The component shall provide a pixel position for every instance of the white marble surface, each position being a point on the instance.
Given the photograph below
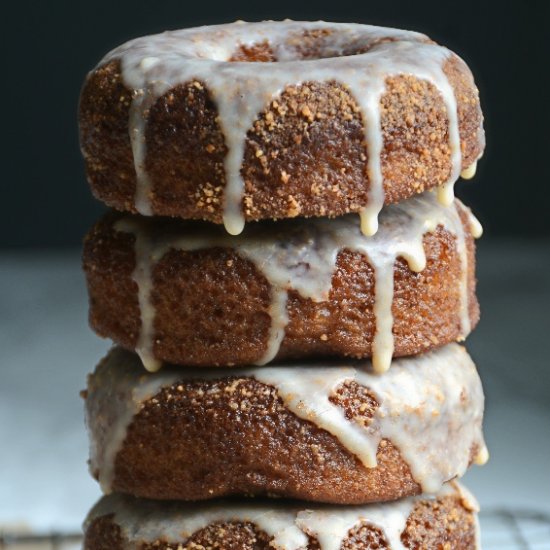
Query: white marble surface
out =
(46, 349)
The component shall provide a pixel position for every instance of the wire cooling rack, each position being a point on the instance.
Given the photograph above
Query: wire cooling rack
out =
(500, 530)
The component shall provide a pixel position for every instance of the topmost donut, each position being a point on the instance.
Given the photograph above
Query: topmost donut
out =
(249, 121)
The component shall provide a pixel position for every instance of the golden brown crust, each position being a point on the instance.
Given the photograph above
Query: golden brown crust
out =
(304, 155)
(445, 523)
(212, 305)
(233, 436)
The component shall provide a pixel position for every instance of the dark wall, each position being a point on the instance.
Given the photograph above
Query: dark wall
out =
(49, 47)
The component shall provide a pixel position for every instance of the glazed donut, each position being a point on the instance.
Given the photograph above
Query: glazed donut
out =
(447, 521)
(189, 294)
(324, 433)
(252, 121)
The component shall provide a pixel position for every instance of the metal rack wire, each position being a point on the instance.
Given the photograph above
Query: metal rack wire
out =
(500, 530)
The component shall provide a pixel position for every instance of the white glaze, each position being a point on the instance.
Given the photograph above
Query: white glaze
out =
(116, 397)
(446, 191)
(470, 172)
(476, 229)
(430, 407)
(137, 124)
(145, 261)
(301, 255)
(465, 324)
(285, 523)
(279, 320)
(152, 65)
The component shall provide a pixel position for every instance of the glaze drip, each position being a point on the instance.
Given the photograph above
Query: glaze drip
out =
(152, 65)
(145, 261)
(301, 255)
(429, 406)
(469, 172)
(446, 191)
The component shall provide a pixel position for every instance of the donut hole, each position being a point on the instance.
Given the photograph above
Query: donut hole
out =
(309, 45)
(259, 53)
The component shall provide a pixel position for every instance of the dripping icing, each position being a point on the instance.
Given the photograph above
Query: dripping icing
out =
(430, 407)
(445, 192)
(469, 172)
(301, 255)
(137, 125)
(152, 65)
(142, 275)
(279, 320)
(476, 229)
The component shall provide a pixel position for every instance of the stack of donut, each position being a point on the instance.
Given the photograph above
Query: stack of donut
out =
(285, 276)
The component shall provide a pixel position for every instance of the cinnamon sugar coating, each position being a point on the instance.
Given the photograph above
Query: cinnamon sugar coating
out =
(304, 155)
(212, 306)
